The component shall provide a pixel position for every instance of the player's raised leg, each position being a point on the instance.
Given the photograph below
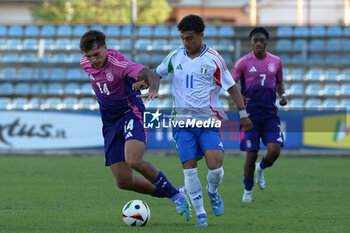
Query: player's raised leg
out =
(214, 159)
(248, 180)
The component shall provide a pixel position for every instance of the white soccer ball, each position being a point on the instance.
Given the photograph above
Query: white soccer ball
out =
(136, 213)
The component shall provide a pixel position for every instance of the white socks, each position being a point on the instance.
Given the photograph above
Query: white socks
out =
(194, 189)
(214, 178)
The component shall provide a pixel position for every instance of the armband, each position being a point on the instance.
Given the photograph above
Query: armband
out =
(243, 114)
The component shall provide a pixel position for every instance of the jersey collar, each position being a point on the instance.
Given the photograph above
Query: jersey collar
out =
(199, 55)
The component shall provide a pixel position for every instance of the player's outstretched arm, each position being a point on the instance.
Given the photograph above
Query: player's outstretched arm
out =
(151, 79)
(281, 93)
(243, 115)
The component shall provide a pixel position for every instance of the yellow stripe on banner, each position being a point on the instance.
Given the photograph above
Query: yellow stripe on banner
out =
(330, 131)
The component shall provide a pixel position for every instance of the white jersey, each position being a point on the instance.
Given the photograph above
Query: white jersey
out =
(197, 82)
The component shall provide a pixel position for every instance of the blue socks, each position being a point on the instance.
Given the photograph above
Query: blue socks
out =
(163, 187)
(248, 183)
(264, 164)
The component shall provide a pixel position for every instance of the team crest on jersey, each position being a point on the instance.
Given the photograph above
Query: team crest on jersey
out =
(109, 76)
(271, 67)
(204, 69)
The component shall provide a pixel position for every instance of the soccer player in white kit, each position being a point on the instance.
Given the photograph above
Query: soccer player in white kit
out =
(198, 73)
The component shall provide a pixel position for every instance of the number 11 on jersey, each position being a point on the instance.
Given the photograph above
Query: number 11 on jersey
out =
(189, 81)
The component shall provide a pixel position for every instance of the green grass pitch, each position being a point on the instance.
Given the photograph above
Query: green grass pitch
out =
(78, 194)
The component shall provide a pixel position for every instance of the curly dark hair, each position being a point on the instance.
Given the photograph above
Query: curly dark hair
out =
(259, 30)
(91, 37)
(191, 23)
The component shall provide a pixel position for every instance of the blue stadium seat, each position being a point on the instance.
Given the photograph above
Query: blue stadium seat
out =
(30, 44)
(6, 88)
(48, 31)
(345, 103)
(63, 44)
(75, 45)
(49, 44)
(8, 74)
(301, 31)
(317, 45)
(64, 30)
(126, 30)
(112, 31)
(57, 74)
(225, 45)
(5, 103)
(334, 31)
(55, 89)
(3, 31)
(52, 103)
(287, 74)
(98, 28)
(346, 45)
(31, 31)
(38, 89)
(143, 45)
(13, 44)
(174, 32)
(313, 103)
(86, 89)
(34, 103)
(285, 58)
(333, 59)
(28, 58)
(160, 45)
(315, 59)
(315, 74)
(125, 45)
(72, 89)
(142, 58)
(2, 43)
(75, 58)
(156, 59)
(318, 31)
(70, 103)
(314, 89)
(331, 89)
(228, 59)
(296, 89)
(79, 30)
(41, 74)
(74, 74)
(60, 58)
(20, 103)
(284, 45)
(334, 45)
(226, 31)
(210, 42)
(15, 31)
(211, 31)
(113, 44)
(300, 45)
(296, 103)
(284, 31)
(345, 89)
(345, 60)
(330, 103)
(88, 103)
(346, 31)
(10, 58)
(144, 31)
(22, 89)
(161, 31)
(332, 75)
(25, 74)
(345, 75)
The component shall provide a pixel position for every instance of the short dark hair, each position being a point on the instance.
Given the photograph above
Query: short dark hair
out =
(91, 37)
(191, 23)
(259, 30)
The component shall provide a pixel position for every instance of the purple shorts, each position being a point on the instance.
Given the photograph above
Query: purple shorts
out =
(127, 128)
(268, 130)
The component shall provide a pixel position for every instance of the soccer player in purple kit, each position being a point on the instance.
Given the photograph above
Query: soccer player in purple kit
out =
(260, 73)
(112, 75)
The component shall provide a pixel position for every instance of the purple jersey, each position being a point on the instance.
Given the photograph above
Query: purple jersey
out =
(258, 83)
(112, 85)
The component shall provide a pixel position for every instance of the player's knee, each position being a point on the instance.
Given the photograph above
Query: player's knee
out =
(134, 163)
(123, 184)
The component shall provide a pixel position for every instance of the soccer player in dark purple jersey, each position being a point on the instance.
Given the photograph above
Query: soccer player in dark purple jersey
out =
(112, 75)
(260, 74)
